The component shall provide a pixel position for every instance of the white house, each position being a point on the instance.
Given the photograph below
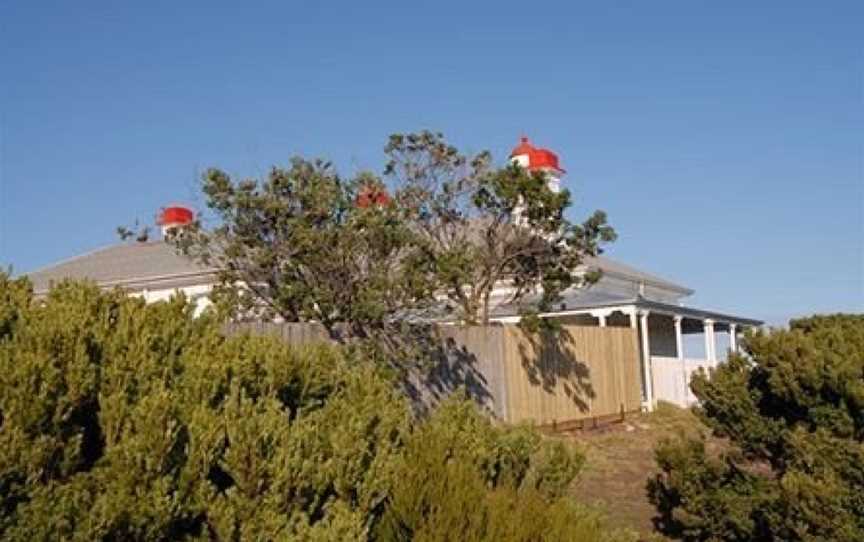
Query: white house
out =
(625, 296)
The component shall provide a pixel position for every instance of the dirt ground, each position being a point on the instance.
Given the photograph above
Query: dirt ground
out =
(620, 458)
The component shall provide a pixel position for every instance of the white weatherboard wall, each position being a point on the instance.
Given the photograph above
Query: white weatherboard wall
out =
(199, 294)
(671, 378)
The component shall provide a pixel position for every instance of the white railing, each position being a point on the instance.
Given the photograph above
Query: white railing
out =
(671, 378)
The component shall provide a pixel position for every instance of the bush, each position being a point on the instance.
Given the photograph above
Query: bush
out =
(792, 412)
(442, 482)
(126, 421)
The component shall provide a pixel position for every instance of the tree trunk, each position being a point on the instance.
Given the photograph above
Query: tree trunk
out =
(486, 296)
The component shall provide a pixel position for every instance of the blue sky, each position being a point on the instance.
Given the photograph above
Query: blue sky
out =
(724, 139)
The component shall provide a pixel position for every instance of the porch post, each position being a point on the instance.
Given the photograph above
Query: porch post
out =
(733, 338)
(710, 350)
(601, 315)
(646, 362)
(679, 339)
(679, 349)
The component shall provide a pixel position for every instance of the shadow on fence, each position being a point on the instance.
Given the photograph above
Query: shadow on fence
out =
(549, 362)
(453, 367)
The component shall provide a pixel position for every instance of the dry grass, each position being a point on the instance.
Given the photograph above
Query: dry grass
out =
(620, 458)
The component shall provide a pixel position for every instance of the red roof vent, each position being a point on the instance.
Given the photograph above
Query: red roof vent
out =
(537, 158)
(370, 196)
(171, 217)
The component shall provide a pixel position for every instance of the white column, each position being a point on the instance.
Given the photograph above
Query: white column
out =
(679, 339)
(733, 338)
(710, 347)
(601, 316)
(646, 362)
(679, 349)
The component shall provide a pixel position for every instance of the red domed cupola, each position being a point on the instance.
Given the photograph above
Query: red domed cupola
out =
(174, 217)
(531, 157)
(535, 159)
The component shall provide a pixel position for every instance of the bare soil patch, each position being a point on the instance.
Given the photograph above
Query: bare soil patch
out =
(620, 458)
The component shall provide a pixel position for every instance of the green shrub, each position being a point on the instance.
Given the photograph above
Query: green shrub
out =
(126, 421)
(462, 478)
(792, 411)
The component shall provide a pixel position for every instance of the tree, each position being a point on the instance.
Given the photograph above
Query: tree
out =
(487, 227)
(306, 245)
(792, 410)
(121, 420)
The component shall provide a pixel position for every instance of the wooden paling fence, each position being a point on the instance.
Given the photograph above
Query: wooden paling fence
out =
(580, 373)
(295, 334)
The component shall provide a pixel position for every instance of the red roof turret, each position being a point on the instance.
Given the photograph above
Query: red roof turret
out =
(176, 216)
(537, 158)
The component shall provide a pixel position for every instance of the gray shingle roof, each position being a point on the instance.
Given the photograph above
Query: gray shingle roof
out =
(616, 268)
(132, 265)
(139, 265)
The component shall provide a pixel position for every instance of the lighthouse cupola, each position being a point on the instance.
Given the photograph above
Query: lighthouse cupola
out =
(536, 159)
(174, 218)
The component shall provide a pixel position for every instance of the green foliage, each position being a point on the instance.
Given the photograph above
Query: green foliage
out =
(792, 410)
(299, 246)
(461, 478)
(126, 421)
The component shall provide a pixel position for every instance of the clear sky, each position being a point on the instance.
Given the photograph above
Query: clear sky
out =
(724, 139)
